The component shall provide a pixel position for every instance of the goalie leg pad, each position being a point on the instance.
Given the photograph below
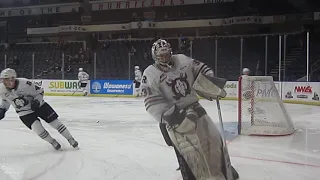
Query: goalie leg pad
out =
(184, 167)
(200, 143)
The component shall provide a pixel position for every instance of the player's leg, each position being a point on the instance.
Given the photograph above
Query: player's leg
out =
(183, 166)
(137, 88)
(83, 87)
(34, 124)
(47, 113)
(199, 142)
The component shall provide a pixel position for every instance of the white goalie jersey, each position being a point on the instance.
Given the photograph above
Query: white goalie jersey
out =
(83, 77)
(164, 89)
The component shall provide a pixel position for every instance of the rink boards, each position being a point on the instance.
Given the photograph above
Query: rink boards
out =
(289, 92)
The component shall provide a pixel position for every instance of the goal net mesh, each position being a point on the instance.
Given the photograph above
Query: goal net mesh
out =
(260, 108)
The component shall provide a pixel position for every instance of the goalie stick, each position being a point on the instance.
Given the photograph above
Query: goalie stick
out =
(234, 174)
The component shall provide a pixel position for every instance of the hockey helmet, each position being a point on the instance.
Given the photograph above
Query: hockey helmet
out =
(246, 71)
(7, 77)
(80, 69)
(8, 73)
(136, 67)
(161, 53)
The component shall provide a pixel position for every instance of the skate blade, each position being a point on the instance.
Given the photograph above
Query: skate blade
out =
(60, 149)
(68, 149)
(73, 148)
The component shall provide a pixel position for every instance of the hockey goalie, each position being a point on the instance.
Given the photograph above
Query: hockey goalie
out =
(171, 99)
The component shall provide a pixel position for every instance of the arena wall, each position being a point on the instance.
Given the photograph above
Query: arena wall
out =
(289, 92)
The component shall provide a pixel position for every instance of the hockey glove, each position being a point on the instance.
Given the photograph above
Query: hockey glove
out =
(35, 104)
(174, 116)
(2, 113)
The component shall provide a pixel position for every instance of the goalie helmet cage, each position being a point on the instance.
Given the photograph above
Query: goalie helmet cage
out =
(261, 111)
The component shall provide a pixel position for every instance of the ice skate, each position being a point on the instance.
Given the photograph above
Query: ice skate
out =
(315, 97)
(73, 143)
(56, 145)
(235, 173)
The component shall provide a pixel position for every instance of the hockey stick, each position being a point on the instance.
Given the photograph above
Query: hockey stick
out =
(74, 92)
(235, 174)
(79, 84)
(221, 123)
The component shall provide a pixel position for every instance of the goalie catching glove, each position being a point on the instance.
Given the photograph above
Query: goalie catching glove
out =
(210, 87)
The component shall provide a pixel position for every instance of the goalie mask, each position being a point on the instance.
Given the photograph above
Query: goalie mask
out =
(161, 54)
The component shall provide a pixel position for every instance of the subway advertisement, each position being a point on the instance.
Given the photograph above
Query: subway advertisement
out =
(290, 92)
(61, 87)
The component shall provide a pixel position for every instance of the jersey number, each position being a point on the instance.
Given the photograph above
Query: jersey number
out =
(144, 79)
(35, 86)
(29, 83)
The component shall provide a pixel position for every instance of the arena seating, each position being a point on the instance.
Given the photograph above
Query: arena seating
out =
(112, 57)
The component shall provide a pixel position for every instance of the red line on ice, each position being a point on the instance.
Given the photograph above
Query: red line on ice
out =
(278, 161)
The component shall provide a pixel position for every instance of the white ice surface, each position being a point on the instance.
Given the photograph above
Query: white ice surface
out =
(126, 144)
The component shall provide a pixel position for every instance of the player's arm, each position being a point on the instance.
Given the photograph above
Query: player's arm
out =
(79, 76)
(87, 76)
(4, 104)
(200, 67)
(4, 107)
(36, 92)
(154, 102)
(136, 75)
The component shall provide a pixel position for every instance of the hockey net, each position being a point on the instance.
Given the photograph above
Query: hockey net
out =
(260, 108)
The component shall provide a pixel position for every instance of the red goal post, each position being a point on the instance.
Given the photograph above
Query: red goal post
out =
(260, 108)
